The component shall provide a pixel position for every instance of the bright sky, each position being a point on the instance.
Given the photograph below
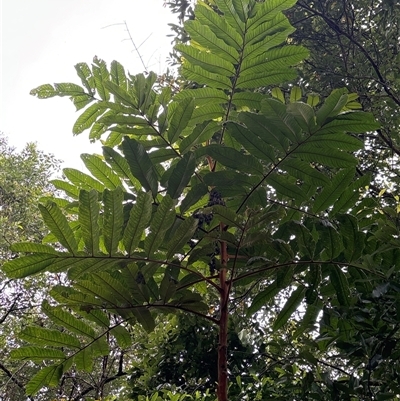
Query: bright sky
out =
(42, 40)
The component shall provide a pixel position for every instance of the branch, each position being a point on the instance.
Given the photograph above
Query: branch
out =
(13, 379)
(333, 25)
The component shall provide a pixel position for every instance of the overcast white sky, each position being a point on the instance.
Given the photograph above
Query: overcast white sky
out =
(42, 40)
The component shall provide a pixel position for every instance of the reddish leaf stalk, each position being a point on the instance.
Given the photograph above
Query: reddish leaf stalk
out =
(222, 389)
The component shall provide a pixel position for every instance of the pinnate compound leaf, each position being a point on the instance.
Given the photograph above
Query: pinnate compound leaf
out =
(290, 306)
(48, 376)
(140, 164)
(58, 225)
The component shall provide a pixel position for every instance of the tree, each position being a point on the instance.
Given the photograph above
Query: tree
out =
(24, 178)
(212, 200)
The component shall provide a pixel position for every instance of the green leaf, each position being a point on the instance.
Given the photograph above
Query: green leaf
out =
(117, 73)
(80, 266)
(180, 118)
(304, 171)
(181, 175)
(290, 306)
(122, 336)
(341, 285)
(218, 24)
(88, 218)
(251, 142)
(113, 219)
(101, 171)
(82, 180)
(85, 74)
(162, 220)
(353, 240)
(58, 225)
(329, 240)
(69, 89)
(192, 196)
(140, 164)
(69, 189)
(202, 77)
(200, 134)
(234, 159)
(65, 319)
(295, 94)
(88, 117)
(332, 105)
(203, 35)
(29, 247)
(350, 195)
(284, 186)
(48, 376)
(355, 122)
(84, 359)
(28, 265)
(44, 91)
(36, 353)
(326, 156)
(121, 95)
(181, 236)
(46, 337)
(101, 75)
(262, 298)
(120, 166)
(330, 193)
(139, 218)
(145, 318)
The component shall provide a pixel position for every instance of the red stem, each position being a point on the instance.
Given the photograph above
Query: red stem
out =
(222, 389)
